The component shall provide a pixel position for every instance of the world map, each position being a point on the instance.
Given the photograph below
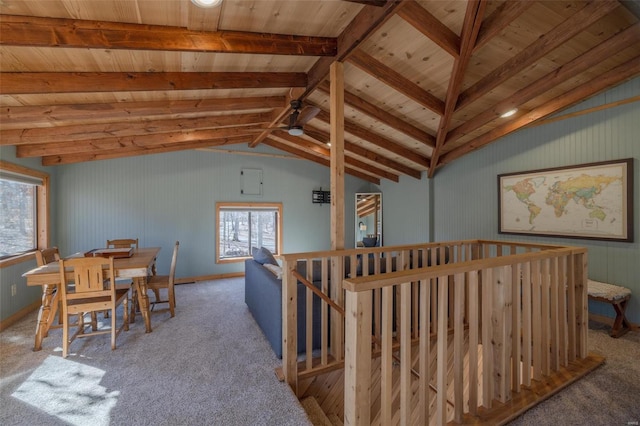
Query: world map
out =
(570, 202)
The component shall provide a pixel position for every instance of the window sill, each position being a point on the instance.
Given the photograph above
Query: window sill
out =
(14, 260)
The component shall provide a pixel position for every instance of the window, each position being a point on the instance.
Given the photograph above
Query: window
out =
(243, 226)
(23, 209)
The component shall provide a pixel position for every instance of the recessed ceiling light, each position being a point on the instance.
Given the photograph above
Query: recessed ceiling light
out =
(509, 113)
(206, 3)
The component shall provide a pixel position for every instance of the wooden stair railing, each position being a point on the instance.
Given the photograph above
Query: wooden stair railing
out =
(415, 298)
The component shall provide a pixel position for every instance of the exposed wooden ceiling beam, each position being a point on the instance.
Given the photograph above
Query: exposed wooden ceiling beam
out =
(618, 75)
(323, 149)
(317, 159)
(394, 79)
(556, 77)
(575, 24)
(142, 141)
(430, 26)
(470, 28)
(504, 15)
(377, 3)
(22, 117)
(375, 139)
(278, 117)
(359, 30)
(350, 147)
(56, 160)
(75, 82)
(107, 130)
(55, 32)
(384, 117)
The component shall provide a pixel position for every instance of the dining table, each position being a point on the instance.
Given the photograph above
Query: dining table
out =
(137, 266)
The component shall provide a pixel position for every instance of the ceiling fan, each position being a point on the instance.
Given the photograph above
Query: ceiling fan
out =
(299, 116)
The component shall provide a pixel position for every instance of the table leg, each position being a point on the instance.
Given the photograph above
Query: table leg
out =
(140, 284)
(44, 315)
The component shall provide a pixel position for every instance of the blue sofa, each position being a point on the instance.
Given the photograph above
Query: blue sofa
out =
(263, 296)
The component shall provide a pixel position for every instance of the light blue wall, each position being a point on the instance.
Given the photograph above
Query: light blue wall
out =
(465, 192)
(168, 197)
(405, 211)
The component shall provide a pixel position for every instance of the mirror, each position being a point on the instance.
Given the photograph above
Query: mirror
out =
(368, 227)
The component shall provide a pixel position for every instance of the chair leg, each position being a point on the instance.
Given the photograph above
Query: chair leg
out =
(172, 302)
(65, 336)
(125, 305)
(113, 328)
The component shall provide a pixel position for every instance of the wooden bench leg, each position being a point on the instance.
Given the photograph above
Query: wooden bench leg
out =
(620, 325)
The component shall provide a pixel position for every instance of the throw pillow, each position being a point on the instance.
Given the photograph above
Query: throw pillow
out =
(263, 256)
(275, 269)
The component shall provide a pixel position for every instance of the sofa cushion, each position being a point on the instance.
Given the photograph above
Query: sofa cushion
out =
(262, 255)
(274, 269)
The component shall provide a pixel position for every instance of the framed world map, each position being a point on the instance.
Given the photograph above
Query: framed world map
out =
(592, 201)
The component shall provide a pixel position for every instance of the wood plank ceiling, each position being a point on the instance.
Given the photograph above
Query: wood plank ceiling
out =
(426, 82)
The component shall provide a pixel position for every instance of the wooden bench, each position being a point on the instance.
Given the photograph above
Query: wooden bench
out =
(618, 297)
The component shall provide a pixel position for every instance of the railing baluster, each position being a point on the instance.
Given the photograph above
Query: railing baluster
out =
(324, 314)
(474, 303)
(458, 347)
(425, 352)
(562, 307)
(544, 311)
(357, 367)
(487, 356)
(516, 308)
(443, 336)
(526, 323)
(309, 319)
(386, 381)
(405, 353)
(554, 323)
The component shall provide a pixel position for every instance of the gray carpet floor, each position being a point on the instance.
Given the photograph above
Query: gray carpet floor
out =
(209, 365)
(608, 396)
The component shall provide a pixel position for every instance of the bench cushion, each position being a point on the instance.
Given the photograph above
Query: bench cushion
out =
(607, 291)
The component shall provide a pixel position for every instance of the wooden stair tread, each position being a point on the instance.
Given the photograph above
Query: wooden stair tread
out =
(314, 412)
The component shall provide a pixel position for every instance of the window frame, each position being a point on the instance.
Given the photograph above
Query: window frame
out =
(42, 212)
(221, 206)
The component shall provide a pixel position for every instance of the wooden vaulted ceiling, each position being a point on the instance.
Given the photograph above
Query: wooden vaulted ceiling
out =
(425, 81)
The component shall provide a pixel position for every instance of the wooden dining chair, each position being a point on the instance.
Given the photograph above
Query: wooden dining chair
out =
(47, 255)
(158, 282)
(93, 290)
(43, 257)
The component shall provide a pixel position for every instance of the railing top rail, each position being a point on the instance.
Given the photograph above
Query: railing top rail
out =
(367, 283)
(522, 244)
(360, 250)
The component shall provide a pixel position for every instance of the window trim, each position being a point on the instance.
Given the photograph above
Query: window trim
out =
(248, 206)
(42, 211)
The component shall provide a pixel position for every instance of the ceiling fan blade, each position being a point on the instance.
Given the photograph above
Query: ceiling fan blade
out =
(307, 114)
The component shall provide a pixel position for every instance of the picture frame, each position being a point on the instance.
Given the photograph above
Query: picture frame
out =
(587, 201)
